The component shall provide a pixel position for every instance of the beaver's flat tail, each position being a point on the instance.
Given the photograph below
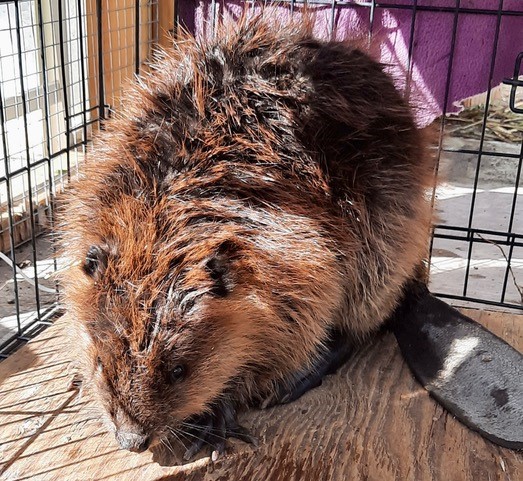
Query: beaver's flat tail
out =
(474, 374)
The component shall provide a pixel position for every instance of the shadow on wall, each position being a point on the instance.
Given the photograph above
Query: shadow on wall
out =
(427, 35)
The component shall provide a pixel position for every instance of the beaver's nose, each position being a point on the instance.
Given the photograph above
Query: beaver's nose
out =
(135, 442)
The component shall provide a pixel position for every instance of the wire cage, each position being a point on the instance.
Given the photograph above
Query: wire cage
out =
(63, 66)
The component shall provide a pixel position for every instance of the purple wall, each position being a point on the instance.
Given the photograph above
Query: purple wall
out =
(431, 42)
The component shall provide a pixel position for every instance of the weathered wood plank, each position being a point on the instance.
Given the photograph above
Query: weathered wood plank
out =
(371, 421)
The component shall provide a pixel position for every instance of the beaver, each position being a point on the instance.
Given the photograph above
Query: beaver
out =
(255, 211)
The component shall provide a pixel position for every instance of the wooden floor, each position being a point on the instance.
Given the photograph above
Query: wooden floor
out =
(371, 421)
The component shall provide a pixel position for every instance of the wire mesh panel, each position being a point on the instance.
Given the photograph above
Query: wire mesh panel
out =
(63, 66)
(441, 52)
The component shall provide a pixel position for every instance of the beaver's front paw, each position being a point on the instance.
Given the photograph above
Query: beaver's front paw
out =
(212, 429)
(334, 354)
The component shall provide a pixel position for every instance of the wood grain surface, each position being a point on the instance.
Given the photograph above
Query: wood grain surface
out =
(371, 421)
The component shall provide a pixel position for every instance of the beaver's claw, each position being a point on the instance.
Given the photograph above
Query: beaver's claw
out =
(213, 429)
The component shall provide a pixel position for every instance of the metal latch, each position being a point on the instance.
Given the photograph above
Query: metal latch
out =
(515, 82)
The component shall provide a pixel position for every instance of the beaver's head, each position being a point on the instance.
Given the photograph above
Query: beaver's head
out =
(179, 307)
(168, 315)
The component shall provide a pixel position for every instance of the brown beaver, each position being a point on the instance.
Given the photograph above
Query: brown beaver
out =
(258, 207)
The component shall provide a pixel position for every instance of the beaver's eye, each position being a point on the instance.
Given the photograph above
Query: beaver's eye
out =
(95, 260)
(177, 373)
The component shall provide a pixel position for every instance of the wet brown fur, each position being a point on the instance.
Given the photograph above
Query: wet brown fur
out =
(295, 166)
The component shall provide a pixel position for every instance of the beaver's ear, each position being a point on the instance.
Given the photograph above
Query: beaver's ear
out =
(95, 262)
(219, 268)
